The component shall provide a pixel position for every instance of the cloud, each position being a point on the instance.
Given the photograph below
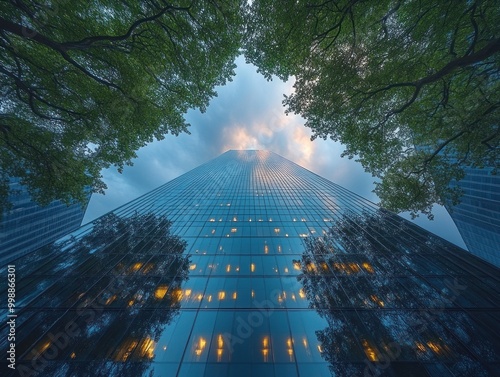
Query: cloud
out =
(247, 114)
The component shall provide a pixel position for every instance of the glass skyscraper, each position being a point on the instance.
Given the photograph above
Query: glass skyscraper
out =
(477, 216)
(250, 265)
(27, 226)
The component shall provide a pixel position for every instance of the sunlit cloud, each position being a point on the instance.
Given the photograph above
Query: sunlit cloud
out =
(247, 114)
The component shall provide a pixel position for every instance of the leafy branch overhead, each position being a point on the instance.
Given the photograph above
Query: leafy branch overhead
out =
(83, 85)
(411, 88)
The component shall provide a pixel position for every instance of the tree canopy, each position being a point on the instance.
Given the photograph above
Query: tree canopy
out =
(411, 88)
(84, 84)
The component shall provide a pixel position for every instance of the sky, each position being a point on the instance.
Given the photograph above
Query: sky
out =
(246, 114)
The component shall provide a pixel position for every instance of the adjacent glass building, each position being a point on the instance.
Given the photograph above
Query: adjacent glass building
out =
(250, 265)
(478, 215)
(28, 226)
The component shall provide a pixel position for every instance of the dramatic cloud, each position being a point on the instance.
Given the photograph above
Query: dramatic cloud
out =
(247, 114)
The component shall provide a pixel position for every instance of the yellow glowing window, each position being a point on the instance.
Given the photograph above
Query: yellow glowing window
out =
(212, 220)
(200, 346)
(277, 230)
(296, 265)
(266, 249)
(311, 267)
(376, 300)
(192, 267)
(252, 267)
(354, 267)
(161, 291)
(420, 346)
(234, 230)
(222, 295)
(147, 348)
(435, 347)
(228, 268)
(301, 293)
(368, 267)
(235, 295)
(125, 350)
(45, 346)
(265, 342)
(110, 300)
(136, 266)
(187, 292)
(370, 351)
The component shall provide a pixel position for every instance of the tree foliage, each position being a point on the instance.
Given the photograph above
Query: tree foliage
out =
(411, 88)
(84, 84)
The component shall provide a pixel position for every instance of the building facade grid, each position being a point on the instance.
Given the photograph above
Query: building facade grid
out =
(250, 265)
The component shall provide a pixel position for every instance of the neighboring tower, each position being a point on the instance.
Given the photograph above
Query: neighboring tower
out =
(250, 265)
(477, 217)
(28, 226)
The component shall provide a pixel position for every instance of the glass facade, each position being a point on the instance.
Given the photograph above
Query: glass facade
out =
(478, 215)
(28, 226)
(250, 265)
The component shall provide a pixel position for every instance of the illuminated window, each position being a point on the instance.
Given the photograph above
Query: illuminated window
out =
(265, 349)
(200, 346)
(370, 351)
(160, 292)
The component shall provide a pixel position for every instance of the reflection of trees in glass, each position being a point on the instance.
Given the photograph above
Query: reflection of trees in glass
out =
(366, 277)
(122, 283)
